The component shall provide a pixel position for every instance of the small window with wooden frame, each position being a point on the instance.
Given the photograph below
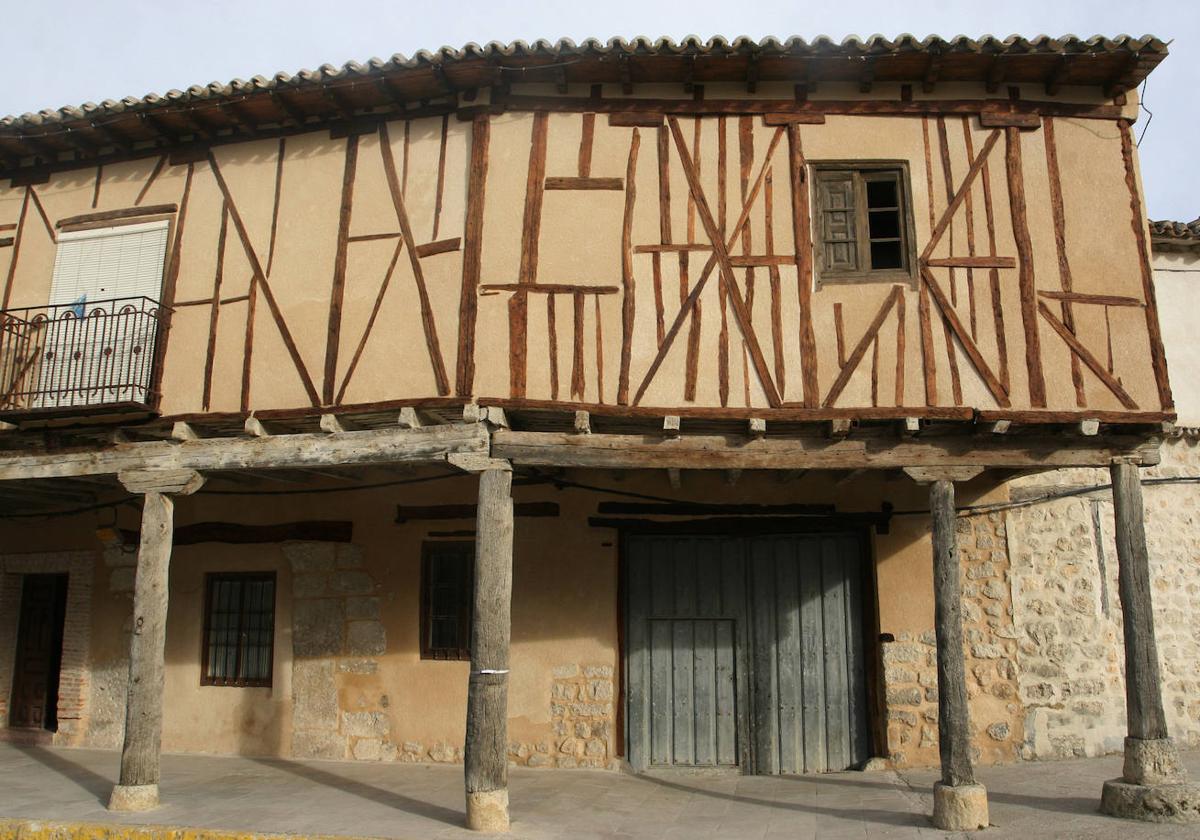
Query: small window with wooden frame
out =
(447, 594)
(239, 629)
(862, 223)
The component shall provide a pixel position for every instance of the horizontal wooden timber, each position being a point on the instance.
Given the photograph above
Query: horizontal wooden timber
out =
(991, 119)
(852, 107)
(6, 242)
(1131, 418)
(672, 247)
(441, 246)
(714, 452)
(411, 513)
(1099, 300)
(699, 508)
(751, 260)
(238, 417)
(371, 237)
(429, 444)
(973, 262)
(557, 182)
(804, 118)
(747, 525)
(114, 215)
(635, 120)
(312, 530)
(550, 288)
(791, 412)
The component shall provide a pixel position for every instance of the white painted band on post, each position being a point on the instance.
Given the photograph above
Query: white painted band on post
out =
(491, 671)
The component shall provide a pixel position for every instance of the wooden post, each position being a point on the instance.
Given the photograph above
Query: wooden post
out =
(954, 734)
(1153, 784)
(1143, 695)
(138, 786)
(487, 698)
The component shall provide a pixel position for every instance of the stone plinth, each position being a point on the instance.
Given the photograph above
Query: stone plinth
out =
(133, 798)
(960, 807)
(1154, 787)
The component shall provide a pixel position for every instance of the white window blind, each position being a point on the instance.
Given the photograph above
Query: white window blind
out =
(107, 263)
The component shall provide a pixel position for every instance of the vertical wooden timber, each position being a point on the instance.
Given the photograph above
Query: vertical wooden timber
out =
(552, 341)
(1143, 693)
(587, 133)
(1029, 319)
(214, 317)
(1060, 246)
(970, 205)
(468, 305)
(803, 245)
(275, 204)
(954, 734)
(985, 175)
(518, 308)
(486, 754)
(16, 251)
(776, 285)
(628, 303)
(900, 360)
(692, 365)
(1138, 222)
(170, 281)
(948, 181)
(338, 288)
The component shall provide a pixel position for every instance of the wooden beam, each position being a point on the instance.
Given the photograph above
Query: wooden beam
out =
(671, 426)
(409, 418)
(183, 431)
(254, 427)
(605, 451)
(486, 752)
(379, 446)
(332, 424)
(928, 475)
(756, 427)
(583, 422)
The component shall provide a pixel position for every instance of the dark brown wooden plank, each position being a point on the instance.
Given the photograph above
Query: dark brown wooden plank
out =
(976, 166)
(337, 289)
(776, 284)
(275, 204)
(1084, 297)
(1158, 359)
(973, 262)
(997, 119)
(468, 306)
(550, 288)
(1111, 382)
(441, 246)
(801, 225)
(215, 313)
(928, 359)
(248, 344)
(370, 325)
(441, 178)
(552, 341)
(635, 119)
(839, 334)
(587, 133)
(970, 219)
(629, 302)
(111, 215)
(96, 190)
(659, 326)
(664, 185)
(12, 263)
(577, 376)
(6, 242)
(969, 347)
(256, 266)
(793, 119)
(599, 351)
(428, 322)
(948, 182)
(985, 177)
(564, 182)
(1025, 267)
(860, 349)
(372, 237)
(530, 234)
(901, 361)
(1060, 246)
(740, 310)
(952, 363)
(154, 173)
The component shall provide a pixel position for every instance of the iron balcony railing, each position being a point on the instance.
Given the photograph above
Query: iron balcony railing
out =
(77, 355)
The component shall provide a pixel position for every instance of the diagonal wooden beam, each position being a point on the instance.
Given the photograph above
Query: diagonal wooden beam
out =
(999, 392)
(431, 336)
(721, 255)
(1085, 356)
(860, 350)
(668, 339)
(976, 166)
(260, 280)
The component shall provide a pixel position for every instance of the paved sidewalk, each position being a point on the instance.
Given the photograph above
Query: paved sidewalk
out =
(1052, 799)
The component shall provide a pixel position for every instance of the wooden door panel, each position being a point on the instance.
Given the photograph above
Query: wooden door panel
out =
(39, 652)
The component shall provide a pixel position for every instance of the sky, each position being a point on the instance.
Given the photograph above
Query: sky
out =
(135, 47)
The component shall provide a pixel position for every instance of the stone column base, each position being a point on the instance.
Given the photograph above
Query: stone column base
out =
(960, 807)
(133, 798)
(487, 810)
(1177, 802)
(1152, 762)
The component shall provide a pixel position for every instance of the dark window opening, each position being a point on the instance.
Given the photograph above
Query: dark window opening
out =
(447, 592)
(239, 629)
(863, 223)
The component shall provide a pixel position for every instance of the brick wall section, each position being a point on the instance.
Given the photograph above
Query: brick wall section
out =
(910, 662)
(74, 678)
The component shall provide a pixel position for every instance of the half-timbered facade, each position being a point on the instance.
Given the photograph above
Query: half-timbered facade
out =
(701, 319)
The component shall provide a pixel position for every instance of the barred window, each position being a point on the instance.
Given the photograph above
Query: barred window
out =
(447, 592)
(863, 223)
(239, 629)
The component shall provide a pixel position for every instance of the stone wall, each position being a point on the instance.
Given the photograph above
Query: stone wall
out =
(1067, 609)
(910, 662)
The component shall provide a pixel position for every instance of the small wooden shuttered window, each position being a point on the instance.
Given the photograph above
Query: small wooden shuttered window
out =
(863, 223)
(447, 592)
(239, 629)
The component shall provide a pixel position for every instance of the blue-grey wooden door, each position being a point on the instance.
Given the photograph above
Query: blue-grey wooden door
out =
(746, 652)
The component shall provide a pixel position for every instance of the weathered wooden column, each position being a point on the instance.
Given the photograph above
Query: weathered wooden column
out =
(1154, 782)
(487, 699)
(138, 786)
(959, 802)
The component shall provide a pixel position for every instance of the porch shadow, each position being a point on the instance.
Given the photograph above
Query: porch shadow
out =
(369, 792)
(897, 818)
(91, 781)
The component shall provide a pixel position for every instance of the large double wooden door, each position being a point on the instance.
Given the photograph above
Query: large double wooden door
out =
(39, 652)
(746, 652)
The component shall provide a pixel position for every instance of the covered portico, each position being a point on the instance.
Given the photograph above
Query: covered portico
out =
(492, 442)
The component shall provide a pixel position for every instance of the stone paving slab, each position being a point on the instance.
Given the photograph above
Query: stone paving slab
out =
(225, 797)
